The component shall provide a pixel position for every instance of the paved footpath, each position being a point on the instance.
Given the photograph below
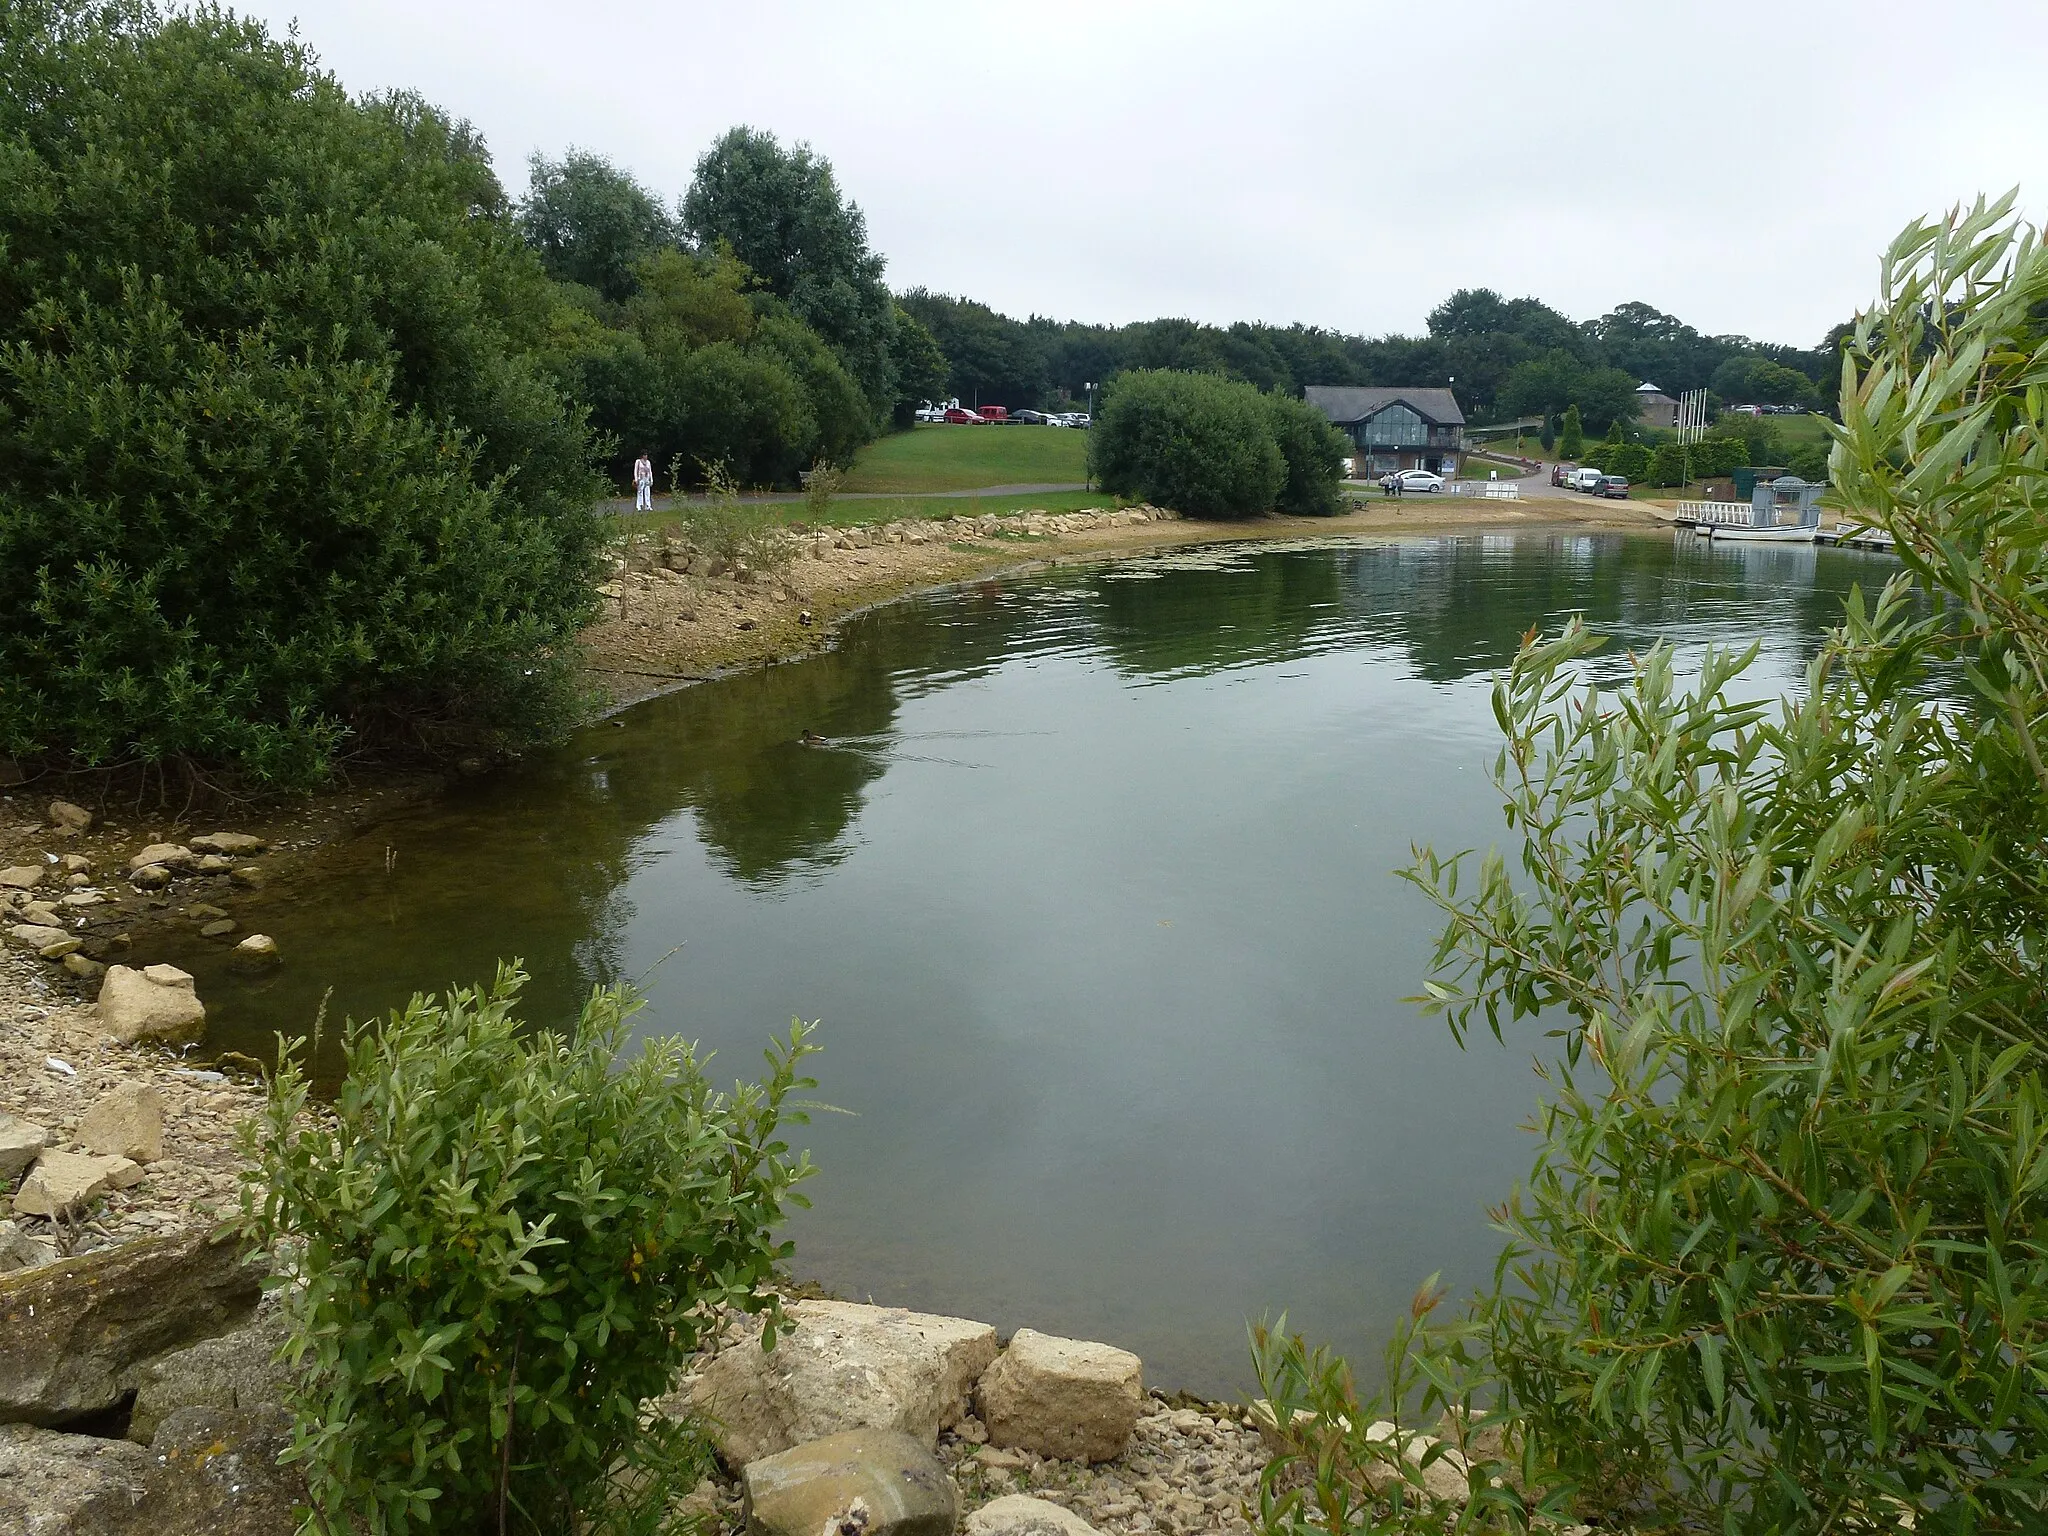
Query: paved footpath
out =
(618, 504)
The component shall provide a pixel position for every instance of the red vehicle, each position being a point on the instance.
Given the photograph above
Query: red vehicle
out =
(965, 418)
(997, 413)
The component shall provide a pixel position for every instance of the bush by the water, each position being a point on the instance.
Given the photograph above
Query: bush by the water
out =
(1780, 1264)
(509, 1239)
(1314, 452)
(1213, 447)
(280, 477)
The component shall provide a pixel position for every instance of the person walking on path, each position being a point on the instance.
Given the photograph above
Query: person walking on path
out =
(643, 484)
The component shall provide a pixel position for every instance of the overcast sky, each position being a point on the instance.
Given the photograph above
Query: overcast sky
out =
(1740, 165)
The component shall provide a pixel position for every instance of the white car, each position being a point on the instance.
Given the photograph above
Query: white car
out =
(931, 413)
(1412, 480)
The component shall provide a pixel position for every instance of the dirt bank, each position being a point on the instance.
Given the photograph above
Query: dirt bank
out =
(661, 628)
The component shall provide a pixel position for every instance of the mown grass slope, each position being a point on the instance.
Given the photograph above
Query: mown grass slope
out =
(929, 458)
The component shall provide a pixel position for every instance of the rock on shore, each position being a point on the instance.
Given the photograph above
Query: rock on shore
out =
(866, 1482)
(72, 1331)
(157, 1002)
(1061, 1397)
(841, 1366)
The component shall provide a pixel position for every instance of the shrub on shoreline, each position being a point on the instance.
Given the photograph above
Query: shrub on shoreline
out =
(1779, 1266)
(281, 476)
(1208, 446)
(508, 1241)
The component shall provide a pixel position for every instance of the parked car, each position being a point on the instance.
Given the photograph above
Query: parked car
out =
(1585, 479)
(1560, 474)
(961, 417)
(1080, 419)
(1030, 418)
(1412, 480)
(995, 413)
(930, 413)
(1613, 487)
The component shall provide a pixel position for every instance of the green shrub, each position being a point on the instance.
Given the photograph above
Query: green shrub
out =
(1781, 1262)
(1600, 456)
(1667, 466)
(1809, 461)
(1631, 461)
(1314, 452)
(731, 530)
(1715, 454)
(279, 469)
(1195, 442)
(508, 1239)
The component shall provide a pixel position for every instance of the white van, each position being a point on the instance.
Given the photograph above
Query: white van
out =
(1586, 479)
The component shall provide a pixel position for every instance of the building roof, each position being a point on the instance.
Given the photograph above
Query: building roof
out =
(1350, 402)
(1647, 388)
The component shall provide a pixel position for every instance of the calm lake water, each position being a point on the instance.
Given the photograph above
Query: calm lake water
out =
(1091, 890)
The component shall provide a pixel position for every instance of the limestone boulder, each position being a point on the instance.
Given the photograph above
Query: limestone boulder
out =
(238, 1370)
(215, 1472)
(172, 856)
(1061, 1397)
(841, 1366)
(866, 1482)
(20, 1251)
(21, 877)
(232, 844)
(72, 1332)
(65, 1183)
(84, 967)
(1019, 1514)
(157, 1002)
(54, 1484)
(21, 1143)
(127, 1121)
(258, 952)
(69, 817)
(41, 937)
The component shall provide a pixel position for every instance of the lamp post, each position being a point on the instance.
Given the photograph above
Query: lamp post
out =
(1088, 469)
(1453, 387)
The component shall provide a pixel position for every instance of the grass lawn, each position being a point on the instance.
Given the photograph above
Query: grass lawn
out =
(849, 514)
(930, 458)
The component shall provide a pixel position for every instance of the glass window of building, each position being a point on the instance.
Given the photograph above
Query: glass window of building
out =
(1397, 425)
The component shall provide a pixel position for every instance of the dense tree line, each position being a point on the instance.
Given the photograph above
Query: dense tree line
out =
(1508, 357)
(750, 326)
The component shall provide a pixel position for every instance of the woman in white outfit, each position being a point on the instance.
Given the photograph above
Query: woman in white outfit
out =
(643, 484)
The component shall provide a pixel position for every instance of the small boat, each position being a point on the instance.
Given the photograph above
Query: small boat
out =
(1751, 535)
(1859, 538)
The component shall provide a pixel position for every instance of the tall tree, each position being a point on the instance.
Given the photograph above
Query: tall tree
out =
(920, 367)
(781, 213)
(591, 222)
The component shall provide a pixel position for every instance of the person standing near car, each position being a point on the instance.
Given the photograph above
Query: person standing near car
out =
(643, 484)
